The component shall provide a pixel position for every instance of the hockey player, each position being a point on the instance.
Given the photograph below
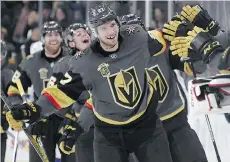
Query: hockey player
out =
(77, 39)
(6, 75)
(124, 111)
(121, 84)
(116, 88)
(36, 70)
(183, 141)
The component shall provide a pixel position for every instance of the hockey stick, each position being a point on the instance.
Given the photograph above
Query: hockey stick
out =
(15, 151)
(33, 141)
(23, 95)
(207, 120)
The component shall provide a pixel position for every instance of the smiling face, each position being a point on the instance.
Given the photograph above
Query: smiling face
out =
(52, 42)
(108, 35)
(81, 38)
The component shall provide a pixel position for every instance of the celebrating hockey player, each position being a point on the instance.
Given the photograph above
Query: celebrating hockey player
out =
(113, 68)
(77, 39)
(6, 75)
(36, 70)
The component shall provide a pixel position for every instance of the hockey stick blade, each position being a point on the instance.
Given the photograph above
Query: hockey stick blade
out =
(34, 143)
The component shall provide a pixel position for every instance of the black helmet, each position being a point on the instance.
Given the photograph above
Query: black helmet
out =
(101, 14)
(3, 52)
(131, 19)
(69, 34)
(51, 26)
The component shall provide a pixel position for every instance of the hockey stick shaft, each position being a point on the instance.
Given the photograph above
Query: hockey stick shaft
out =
(33, 142)
(208, 123)
(15, 151)
(23, 95)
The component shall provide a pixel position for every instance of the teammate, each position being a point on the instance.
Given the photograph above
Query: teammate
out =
(6, 75)
(119, 121)
(77, 39)
(183, 141)
(36, 70)
(122, 96)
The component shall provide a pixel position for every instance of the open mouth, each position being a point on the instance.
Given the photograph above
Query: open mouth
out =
(86, 41)
(111, 37)
(53, 43)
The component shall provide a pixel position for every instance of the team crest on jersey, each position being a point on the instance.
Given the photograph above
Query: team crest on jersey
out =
(131, 29)
(157, 81)
(125, 88)
(43, 73)
(104, 69)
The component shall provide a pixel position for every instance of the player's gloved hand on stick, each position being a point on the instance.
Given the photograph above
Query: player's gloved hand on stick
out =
(175, 28)
(70, 132)
(200, 17)
(28, 112)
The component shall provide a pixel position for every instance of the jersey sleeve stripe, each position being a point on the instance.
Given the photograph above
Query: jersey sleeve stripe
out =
(88, 105)
(12, 91)
(58, 98)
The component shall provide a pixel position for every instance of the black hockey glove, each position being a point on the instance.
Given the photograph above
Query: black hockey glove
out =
(200, 17)
(28, 112)
(70, 132)
(176, 28)
(204, 44)
(40, 128)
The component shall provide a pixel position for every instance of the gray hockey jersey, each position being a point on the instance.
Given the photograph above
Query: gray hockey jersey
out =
(119, 83)
(59, 69)
(36, 70)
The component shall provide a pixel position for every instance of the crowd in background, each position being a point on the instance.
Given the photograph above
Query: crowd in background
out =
(20, 19)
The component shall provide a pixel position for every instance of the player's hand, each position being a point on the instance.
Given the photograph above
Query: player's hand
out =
(40, 127)
(224, 64)
(176, 28)
(200, 17)
(27, 112)
(4, 123)
(181, 46)
(14, 124)
(203, 43)
(70, 132)
(68, 139)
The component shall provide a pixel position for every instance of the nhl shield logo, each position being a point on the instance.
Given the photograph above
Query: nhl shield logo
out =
(104, 69)
(43, 73)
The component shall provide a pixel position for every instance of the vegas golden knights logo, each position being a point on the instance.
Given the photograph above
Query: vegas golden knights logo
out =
(157, 82)
(125, 88)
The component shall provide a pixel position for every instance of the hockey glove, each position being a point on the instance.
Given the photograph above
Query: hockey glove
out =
(203, 43)
(200, 17)
(4, 123)
(224, 64)
(27, 112)
(40, 127)
(181, 46)
(70, 132)
(176, 28)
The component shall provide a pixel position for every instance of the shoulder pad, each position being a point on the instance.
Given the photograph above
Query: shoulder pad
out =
(158, 37)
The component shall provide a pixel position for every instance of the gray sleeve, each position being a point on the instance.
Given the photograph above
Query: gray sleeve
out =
(224, 39)
(86, 119)
(214, 62)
